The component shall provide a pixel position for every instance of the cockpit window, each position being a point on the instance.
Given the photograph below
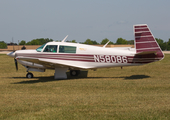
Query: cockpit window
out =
(40, 48)
(67, 49)
(50, 48)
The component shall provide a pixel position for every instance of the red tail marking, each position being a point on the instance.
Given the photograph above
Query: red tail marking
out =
(145, 41)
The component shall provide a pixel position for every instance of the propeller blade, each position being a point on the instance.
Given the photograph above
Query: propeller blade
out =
(16, 64)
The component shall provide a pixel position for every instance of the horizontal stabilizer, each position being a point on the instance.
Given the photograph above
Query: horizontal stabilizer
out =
(146, 53)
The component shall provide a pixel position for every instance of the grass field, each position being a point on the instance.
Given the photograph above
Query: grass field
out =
(131, 93)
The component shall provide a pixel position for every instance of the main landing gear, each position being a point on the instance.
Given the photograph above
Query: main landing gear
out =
(58, 74)
(29, 75)
(74, 72)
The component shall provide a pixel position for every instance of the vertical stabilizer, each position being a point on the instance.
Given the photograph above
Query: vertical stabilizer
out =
(145, 41)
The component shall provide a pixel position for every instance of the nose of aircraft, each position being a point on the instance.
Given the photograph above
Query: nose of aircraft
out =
(11, 54)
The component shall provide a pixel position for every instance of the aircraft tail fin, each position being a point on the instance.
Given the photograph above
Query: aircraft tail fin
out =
(145, 42)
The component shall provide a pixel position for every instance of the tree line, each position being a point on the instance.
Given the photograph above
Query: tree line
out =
(120, 41)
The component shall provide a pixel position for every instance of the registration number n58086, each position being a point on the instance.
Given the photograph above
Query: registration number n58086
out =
(110, 59)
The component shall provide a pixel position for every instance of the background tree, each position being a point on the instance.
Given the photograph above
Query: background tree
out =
(11, 43)
(73, 41)
(22, 42)
(58, 40)
(121, 41)
(88, 41)
(104, 41)
(39, 41)
(34, 42)
(130, 42)
(3, 45)
(168, 45)
(161, 43)
(95, 42)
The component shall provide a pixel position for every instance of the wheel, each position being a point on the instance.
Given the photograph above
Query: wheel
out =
(74, 72)
(29, 75)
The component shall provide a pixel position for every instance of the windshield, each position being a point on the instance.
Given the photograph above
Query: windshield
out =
(40, 48)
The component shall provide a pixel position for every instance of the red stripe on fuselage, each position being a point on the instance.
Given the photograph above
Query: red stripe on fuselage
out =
(90, 58)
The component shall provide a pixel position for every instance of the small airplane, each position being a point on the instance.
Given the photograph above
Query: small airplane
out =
(63, 56)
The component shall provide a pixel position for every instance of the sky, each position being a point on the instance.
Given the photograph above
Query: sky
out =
(81, 19)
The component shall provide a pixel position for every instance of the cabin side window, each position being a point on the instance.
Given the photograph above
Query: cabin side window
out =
(67, 49)
(50, 48)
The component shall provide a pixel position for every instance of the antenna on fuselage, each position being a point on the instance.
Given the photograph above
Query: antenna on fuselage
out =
(106, 44)
(64, 39)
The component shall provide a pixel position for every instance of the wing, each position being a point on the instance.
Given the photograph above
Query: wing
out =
(51, 64)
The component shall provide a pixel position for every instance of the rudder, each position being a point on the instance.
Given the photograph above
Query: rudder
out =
(145, 41)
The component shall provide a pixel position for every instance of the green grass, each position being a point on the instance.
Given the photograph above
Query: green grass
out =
(131, 93)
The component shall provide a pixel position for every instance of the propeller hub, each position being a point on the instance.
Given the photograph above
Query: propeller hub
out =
(11, 54)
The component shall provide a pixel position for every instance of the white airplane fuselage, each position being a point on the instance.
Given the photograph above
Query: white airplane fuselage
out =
(63, 56)
(86, 56)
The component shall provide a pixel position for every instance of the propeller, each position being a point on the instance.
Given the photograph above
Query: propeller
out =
(16, 64)
(15, 61)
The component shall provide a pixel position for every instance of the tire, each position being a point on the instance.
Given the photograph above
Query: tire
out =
(29, 75)
(74, 72)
